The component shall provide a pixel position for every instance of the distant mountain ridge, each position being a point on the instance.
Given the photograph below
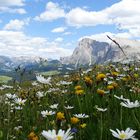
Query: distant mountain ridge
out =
(9, 63)
(90, 51)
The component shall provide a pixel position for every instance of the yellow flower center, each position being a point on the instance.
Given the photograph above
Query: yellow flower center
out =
(59, 138)
(123, 136)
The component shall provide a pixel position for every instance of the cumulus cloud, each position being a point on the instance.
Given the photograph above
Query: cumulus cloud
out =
(12, 2)
(59, 30)
(53, 11)
(103, 36)
(10, 6)
(59, 39)
(81, 17)
(16, 43)
(125, 15)
(16, 24)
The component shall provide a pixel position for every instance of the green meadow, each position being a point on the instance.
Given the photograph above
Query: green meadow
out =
(89, 102)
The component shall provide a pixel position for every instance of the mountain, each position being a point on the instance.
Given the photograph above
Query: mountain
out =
(90, 52)
(10, 63)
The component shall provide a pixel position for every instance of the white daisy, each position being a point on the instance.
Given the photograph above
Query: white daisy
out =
(11, 96)
(42, 80)
(101, 109)
(129, 104)
(54, 106)
(40, 94)
(69, 107)
(47, 113)
(20, 101)
(121, 98)
(124, 135)
(81, 116)
(61, 135)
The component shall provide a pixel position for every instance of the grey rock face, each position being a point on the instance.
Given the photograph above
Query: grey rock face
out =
(90, 51)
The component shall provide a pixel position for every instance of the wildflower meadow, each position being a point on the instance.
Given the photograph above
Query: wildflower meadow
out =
(98, 103)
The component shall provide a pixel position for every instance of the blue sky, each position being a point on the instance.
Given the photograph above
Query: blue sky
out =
(53, 28)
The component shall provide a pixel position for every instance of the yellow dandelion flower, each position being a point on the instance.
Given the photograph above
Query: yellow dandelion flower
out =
(100, 77)
(32, 136)
(78, 87)
(114, 74)
(74, 120)
(79, 92)
(88, 80)
(60, 116)
(114, 84)
(100, 91)
(110, 87)
(83, 125)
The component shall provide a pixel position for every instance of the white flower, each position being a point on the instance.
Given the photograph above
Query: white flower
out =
(18, 107)
(61, 135)
(11, 96)
(20, 101)
(18, 128)
(64, 83)
(42, 80)
(81, 116)
(69, 107)
(110, 82)
(40, 94)
(47, 113)
(101, 109)
(53, 90)
(6, 86)
(34, 83)
(54, 106)
(121, 98)
(88, 70)
(129, 104)
(124, 135)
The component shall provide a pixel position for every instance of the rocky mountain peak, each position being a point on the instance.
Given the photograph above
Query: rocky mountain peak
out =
(90, 51)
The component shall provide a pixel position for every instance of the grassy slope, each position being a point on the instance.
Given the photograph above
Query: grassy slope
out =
(5, 79)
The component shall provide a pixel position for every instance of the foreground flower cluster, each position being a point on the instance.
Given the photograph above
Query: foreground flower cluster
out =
(100, 103)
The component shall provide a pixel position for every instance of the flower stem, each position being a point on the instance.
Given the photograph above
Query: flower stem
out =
(121, 117)
(138, 123)
(101, 127)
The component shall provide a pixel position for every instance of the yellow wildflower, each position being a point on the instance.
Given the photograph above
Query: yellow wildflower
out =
(100, 91)
(79, 92)
(110, 87)
(74, 120)
(32, 136)
(100, 77)
(88, 80)
(78, 87)
(83, 125)
(114, 74)
(114, 84)
(60, 116)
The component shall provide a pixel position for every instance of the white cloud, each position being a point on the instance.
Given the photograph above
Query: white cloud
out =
(15, 43)
(103, 36)
(12, 2)
(67, 33)
(59, 39)
(81, 17)
(53, 12)
(125, 15)
(12, 10)
(10, 6)
(59, 30)
(16, 24)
